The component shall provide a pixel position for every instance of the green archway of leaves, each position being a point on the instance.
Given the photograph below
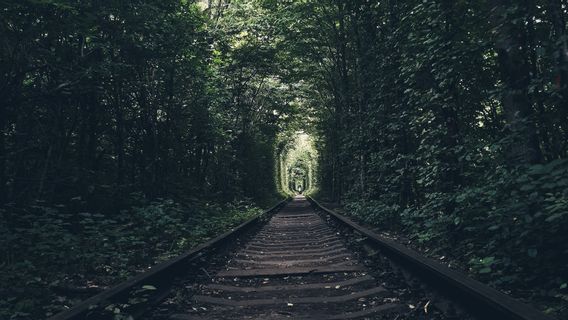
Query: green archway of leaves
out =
(297, 164)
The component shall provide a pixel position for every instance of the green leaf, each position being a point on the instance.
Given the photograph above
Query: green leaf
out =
(487, 261)
(148, 287)
(554, 216)
(485, 270)
(527, 187)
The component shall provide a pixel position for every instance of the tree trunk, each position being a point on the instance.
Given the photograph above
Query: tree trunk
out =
(148, 155)
(511, 45)
(3, 154)
(558, 20)
(119, 114)
(538, 96)
(449, 112)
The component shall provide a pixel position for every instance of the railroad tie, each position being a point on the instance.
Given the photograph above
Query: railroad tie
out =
(295, 267)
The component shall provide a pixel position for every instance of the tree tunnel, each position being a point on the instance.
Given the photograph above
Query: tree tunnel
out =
(297, 164)
(298, 174)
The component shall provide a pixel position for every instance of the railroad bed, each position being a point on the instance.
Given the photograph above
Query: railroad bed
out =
(295, 267)
(298, 265)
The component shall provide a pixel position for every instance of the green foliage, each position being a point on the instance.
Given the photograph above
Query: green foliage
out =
(151, 96)
(374, 212)
(297, 163)
(109, 108)
(46, 249)
(445, 121)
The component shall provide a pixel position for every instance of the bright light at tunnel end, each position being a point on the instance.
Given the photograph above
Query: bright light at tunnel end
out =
(297, 165)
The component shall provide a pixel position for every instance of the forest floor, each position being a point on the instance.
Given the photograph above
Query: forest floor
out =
(451, 257)
(55, 256)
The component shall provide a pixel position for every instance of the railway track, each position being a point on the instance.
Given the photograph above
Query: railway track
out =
(304, 265)
(298, 267)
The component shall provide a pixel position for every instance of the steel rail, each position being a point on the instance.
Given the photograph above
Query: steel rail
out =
(479, 298)
(161, 275)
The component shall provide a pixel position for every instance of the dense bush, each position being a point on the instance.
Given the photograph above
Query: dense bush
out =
(510, 230)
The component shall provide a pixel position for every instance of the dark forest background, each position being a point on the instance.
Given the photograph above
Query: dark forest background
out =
(129, 132)
(132, 130)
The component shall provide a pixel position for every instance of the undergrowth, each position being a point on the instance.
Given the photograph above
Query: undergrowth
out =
(510, 230)
(53, 257)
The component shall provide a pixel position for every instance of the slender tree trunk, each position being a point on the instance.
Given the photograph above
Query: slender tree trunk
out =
(404, 135)
(538, 94)
(3, 152)
(449, 112)
(558, 19)
(6, 92)
(362, 26)
(21, 170)
(511, 45)
(44, 173)
(119, 114)
(92, 162)
(148, 156)
(344, 94)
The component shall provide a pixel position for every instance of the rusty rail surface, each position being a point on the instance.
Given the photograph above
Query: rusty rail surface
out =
(479, 298)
